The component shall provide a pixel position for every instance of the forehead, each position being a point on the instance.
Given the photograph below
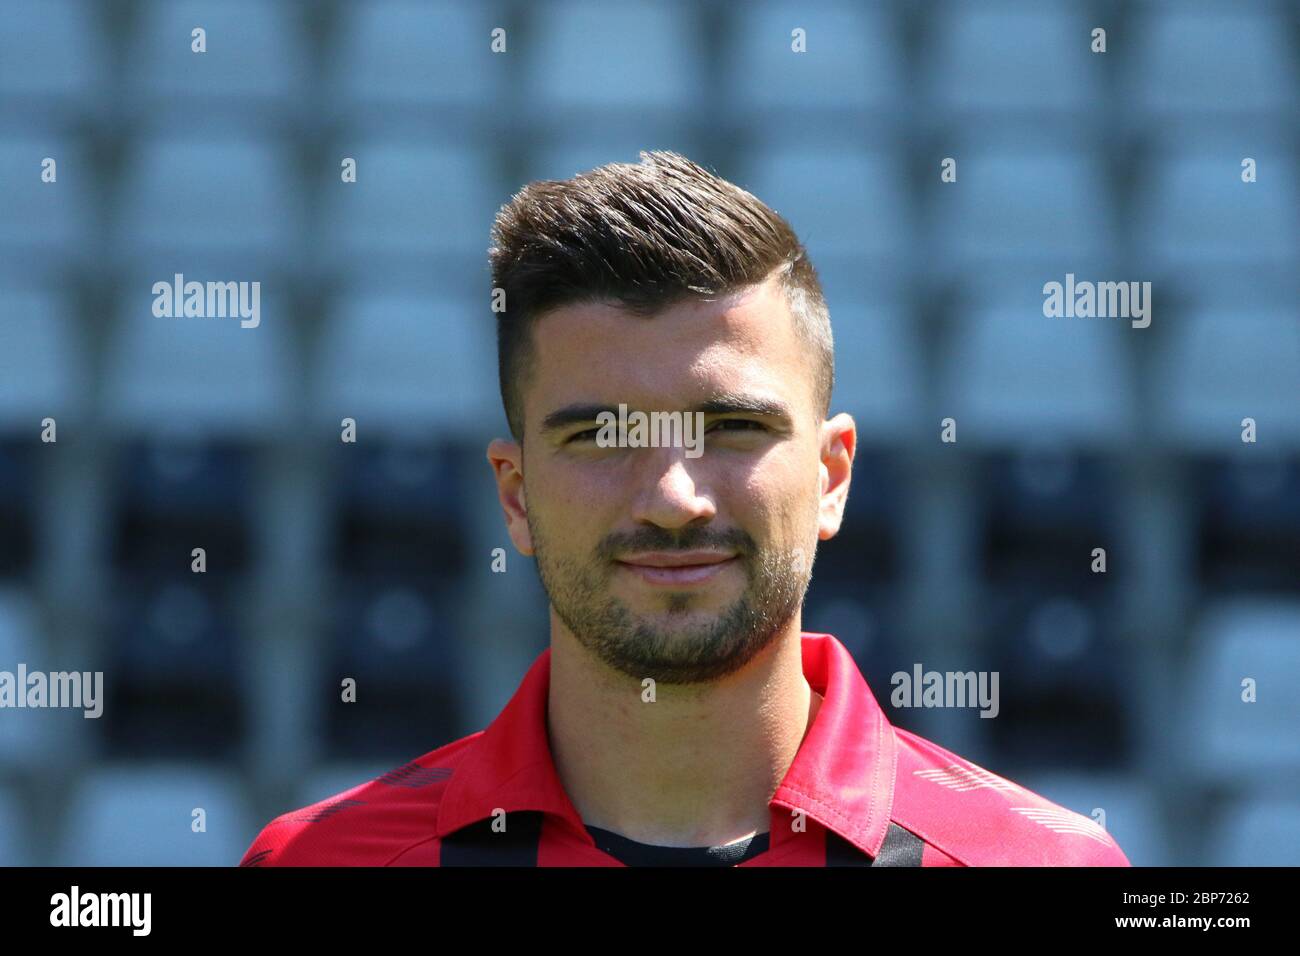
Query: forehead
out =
(601, 352)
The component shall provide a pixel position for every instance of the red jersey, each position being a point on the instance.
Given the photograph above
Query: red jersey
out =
(860, 792)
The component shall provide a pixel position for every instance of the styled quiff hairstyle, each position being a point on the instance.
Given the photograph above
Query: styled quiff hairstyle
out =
(645, 236)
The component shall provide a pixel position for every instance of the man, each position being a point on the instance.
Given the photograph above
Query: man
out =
(680, 716)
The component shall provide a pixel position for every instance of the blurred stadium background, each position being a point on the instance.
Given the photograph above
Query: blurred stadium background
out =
(1119, 690)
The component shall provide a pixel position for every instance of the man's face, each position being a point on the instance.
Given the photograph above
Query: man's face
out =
(665, 565)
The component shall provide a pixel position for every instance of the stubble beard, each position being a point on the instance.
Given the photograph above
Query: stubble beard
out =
(678, 645)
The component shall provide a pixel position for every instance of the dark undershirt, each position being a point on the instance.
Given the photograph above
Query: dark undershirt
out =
(632, 853)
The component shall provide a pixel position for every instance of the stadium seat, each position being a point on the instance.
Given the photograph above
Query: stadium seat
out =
(191, 400)
(868, 215)
(1231, 60)
(397, 634)
(1028, 206)
(175, 647)
(382, 56)
(418, 376)
(41, 368)
(234, 198)
(1051, 636)
(1225, 739)
(1133, 814)
(396, 497)
(15, 831)
(209, 375)
(1013, 375)
(45, 224)
(877, 360)
(1195, 212)
(412, 206)
(42, 364)
(255, 60)
(19, 524)
(999, 58)
(638, 55)
(1223, 363)
(52, 60)
(26, 736)
(408, 366)
(142, 815)
(173, 491)
(1256, 831)
(852, 59)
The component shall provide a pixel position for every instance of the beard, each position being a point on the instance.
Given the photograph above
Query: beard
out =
(680, 644)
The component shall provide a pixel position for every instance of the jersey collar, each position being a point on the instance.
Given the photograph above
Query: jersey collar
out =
(842, 776)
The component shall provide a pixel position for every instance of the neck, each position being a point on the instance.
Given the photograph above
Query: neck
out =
(697, 766)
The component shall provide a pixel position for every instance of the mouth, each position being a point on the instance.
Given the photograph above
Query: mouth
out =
(678, 568)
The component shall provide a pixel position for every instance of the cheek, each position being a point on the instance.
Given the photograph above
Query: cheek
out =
(569, 500)
(782, 496)
(549, 482)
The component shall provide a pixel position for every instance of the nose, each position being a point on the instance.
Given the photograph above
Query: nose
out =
(671, 497)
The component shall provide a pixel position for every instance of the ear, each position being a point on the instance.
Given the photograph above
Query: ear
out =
(839, 443)
(507, 461)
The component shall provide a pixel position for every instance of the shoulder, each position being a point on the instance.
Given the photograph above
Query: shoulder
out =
(370, 824)
(982, 819)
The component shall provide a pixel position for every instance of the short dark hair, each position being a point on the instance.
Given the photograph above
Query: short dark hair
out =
(645, 236)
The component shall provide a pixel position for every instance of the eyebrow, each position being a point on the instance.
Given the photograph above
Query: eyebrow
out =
(718, 405)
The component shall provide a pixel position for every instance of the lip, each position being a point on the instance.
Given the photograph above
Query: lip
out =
(678, 568)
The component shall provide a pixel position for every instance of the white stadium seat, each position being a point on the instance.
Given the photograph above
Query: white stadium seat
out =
(1225, 739)
(408, 364)
(42, 364)
(211, 374)
(841, 202)
(1022, 205)
(639, 54)
(223, 196)
(1194, 211)
(27, 736)
(143, 816)
(255, 58)
(52, 53)
(42, 221)
(1014, 375)
(1224, 363)
(411, 201)
(384, 55)
(1196, 61)
(852, 58)
(993, 57)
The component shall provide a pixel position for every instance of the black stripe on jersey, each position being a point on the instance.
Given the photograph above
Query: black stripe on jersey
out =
(901, 848)
(478, 845)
